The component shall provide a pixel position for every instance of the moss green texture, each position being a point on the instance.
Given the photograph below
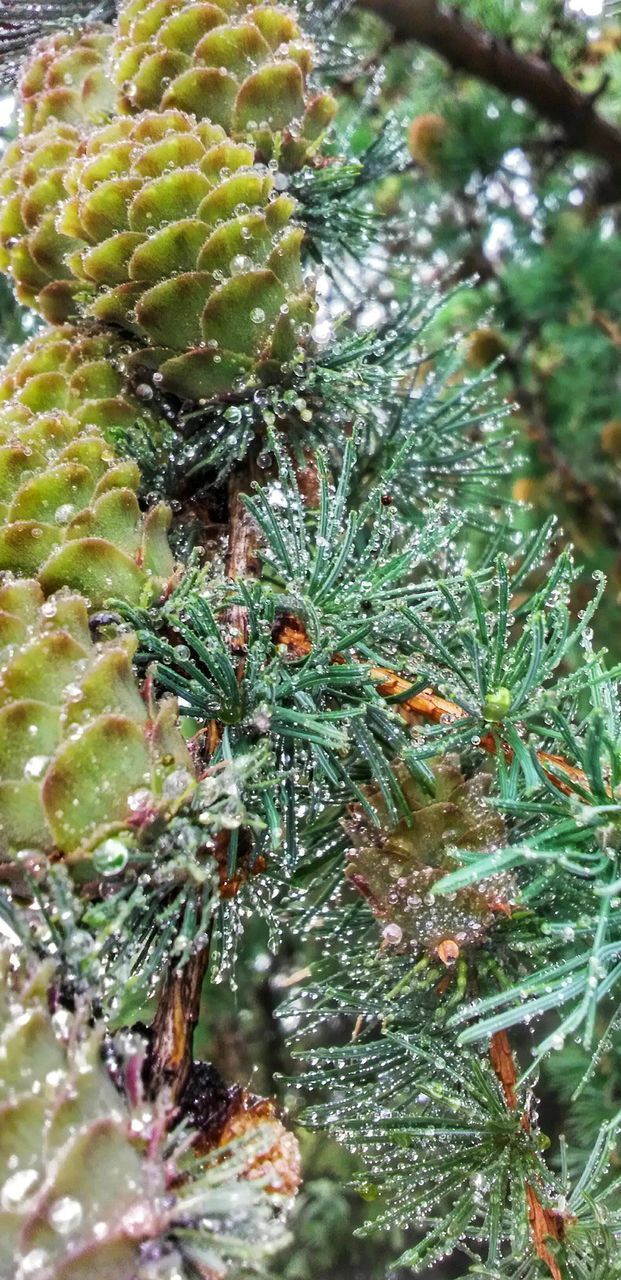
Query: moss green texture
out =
(32, 253)
(245, 67)
(66, 78)
(241, 66)
(81, 754)
(187, 246)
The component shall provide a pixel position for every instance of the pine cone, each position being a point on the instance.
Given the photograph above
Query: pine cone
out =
(82, 756)
(189, 248)
(485, 346)
(396, 868)
(32, 251)
(162, 222)
(427, 135)
(92, 1184)
(66, 77)
(242, 67)
(70, 515)
(76, 1189)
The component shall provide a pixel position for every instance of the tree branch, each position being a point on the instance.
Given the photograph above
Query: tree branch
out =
(170, 1060)
(178, 1009)
(544, 1224)
(429, 705)
(469, 48)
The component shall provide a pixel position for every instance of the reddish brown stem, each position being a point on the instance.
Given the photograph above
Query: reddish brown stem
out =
(544, 1224)
(241, 558)
(180, 996)
(173, 1029)
(427, 705)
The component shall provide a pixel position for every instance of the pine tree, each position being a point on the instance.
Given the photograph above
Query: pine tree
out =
(277, 653)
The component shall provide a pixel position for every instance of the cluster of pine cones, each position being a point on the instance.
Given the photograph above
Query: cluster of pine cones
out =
(144, 214)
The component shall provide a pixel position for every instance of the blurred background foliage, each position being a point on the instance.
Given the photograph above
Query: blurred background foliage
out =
(501, 203)
(512, 223)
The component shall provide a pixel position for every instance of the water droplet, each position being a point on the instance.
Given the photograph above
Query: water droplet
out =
(392, 934)
(17, 1187)
(176, 783)
(65, 1215)
(34, 1264)
(35, 767)
(110, 857)
(239, 264)
(64, 513)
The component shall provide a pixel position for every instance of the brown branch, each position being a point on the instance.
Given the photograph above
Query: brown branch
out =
(178, 1009)
(428, 705)
(504, 1067)
(241, 558)
(170, 1060)
(469, 48)
(544, 1224)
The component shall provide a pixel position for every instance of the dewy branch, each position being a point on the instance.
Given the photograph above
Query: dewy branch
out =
(469, 48)
(179, 1003)
(430, 706)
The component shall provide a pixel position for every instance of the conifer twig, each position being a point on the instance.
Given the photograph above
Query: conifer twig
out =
(179, 1002)
(427, 705)
(544, 1224)
(468, 47)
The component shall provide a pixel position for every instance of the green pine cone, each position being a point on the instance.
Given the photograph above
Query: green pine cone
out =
(74, 1180)
(93, 1186)
(66, 77)
(81, 755)
(68, 505)
(240, 66)
(190, 249)
(32, 251)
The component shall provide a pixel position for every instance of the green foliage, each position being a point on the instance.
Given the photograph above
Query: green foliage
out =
(509, 204)
(325, 721)
(22, 22)
(439, 1135)
(399, 748)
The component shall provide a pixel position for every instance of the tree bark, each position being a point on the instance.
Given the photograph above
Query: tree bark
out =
(177, 1014)
(469, 48)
